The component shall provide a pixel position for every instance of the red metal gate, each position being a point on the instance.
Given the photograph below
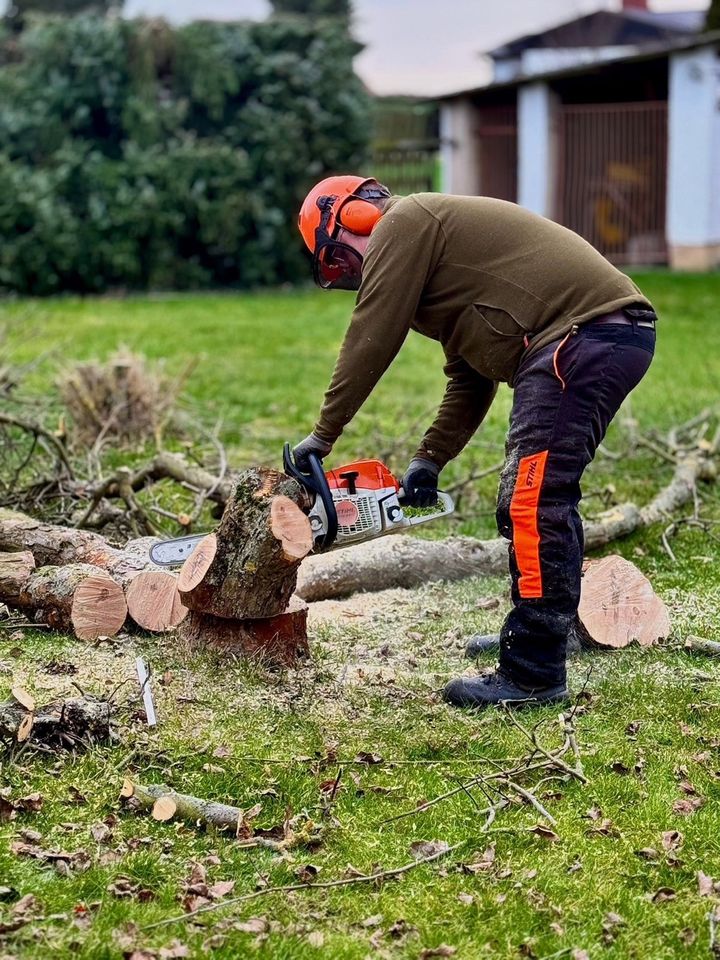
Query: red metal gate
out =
(497, 152)
(612, 171)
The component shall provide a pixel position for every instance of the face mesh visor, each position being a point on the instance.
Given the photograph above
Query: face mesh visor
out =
(336, 266)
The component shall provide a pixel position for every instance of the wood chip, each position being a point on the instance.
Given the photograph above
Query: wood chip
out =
(23, 698)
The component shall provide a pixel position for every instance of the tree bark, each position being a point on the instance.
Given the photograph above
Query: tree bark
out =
(261, 539)
(78, 598)
(53, 545)
(618, 606)
(276, 641)
(15, 571)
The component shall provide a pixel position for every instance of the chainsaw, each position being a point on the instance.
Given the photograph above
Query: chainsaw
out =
(351, 504)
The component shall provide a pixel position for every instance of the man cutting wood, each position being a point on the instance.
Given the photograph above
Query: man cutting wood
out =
(511, 297)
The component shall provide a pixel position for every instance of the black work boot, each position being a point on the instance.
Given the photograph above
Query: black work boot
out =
(482, 643)
(492, 689)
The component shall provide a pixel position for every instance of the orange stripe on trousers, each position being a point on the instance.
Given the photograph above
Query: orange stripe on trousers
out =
(524, 516)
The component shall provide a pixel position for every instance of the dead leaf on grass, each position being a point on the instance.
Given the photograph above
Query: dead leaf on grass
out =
(466, 898)
(307, 873)
(705, 884)
(422, 849)
(662, 895)
(221, 889)
(610, 925)
(672, 839)
(482, 862)
(253, 925)
(174, 951)
(316, 938)
(648, 853)
(369, 758)
(686, 806)
(687, 936)
(443, 950)
(541, 830)
(579, 954)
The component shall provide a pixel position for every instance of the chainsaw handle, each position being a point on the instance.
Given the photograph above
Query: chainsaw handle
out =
(316, 481)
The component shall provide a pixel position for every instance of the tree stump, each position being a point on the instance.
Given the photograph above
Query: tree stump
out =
(276, 641)
(78, 598)
(250, 568)
(618, 606)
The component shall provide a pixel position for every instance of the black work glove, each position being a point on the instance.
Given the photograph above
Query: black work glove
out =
(420, 483)
(311, 444)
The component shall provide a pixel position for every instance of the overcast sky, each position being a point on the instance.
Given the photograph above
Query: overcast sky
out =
(417, 46)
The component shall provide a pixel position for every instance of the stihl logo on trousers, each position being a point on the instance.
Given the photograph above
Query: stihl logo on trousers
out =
(531, 471)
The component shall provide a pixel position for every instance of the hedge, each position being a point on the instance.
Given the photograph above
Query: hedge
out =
(134, 155)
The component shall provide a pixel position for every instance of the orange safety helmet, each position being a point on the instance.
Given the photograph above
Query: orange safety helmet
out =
(331, 203)
(358, 215)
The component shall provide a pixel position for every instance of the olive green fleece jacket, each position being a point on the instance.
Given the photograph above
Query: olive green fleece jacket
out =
(490, 281)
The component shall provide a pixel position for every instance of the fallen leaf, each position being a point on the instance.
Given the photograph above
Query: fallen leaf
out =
(606, 828)
(578, 954)
(662, 895)
(705, 884)
(221, 889)
(687, 936)
(369, 758)
(672, 839)
(221, 752)
(253, 925)
(688, 788)
(441, 951)
(610, 925)
(422, 849)
(25, 905)
(32, 802)
(540, 830)
(316, 938)
(687, 805)
(307, 873)
(100, 832)
(466, 898)
(632, 728)
(487, 603)
(648, 853)
(482, 862)
(175, 951)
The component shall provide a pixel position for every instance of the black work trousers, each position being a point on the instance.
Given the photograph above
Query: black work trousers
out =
(564, 399)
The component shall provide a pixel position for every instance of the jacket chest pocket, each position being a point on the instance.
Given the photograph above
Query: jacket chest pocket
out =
(500, 341)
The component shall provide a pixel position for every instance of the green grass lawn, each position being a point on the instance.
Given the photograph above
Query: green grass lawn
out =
(648, 730)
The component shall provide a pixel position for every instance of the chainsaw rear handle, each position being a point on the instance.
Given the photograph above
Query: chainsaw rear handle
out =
(316, 481)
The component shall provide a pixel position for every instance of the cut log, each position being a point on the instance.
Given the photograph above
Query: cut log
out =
(153, 601)
(78, 721)
(15, 570)
(277, 641)
(262, 536)
(197, 564)
(398, 561)
(165, 803)
(52, 545)
(618, 606)
(78, 598)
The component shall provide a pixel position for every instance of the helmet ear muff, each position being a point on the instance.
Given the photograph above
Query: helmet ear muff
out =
(359, 216)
